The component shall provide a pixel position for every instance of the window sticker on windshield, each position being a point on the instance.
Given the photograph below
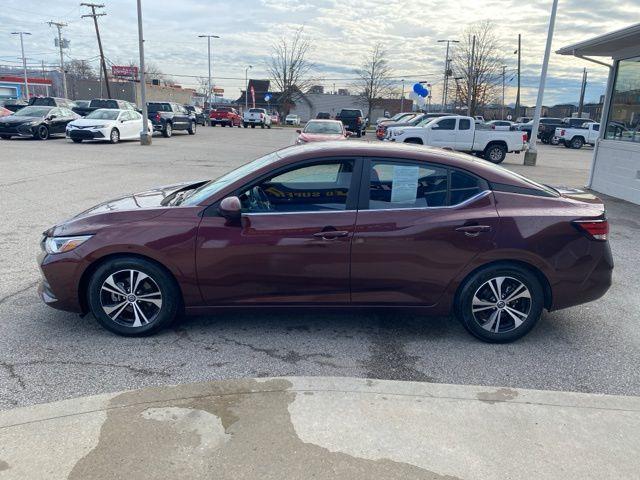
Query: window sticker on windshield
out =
(404, 188)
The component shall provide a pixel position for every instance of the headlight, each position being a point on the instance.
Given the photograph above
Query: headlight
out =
(63, 244)
(99, 126)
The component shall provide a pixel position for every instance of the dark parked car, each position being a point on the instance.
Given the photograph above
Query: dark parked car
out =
(98, 103)
(52, 102)
(336, 224)
(526, 127)
(323, 116)
(14, 105)
(406, 121)
(353, 121)
(547, 129)
(168, 116)
(36, 122)
(197, 111)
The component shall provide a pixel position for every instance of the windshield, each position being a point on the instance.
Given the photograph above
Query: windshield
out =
(327, 128)
(33, 111)
(214, 186)
(425, 121)
(159, 107)
(104, 114)
(103, 104)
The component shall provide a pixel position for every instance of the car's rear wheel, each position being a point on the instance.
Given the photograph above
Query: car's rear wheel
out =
(245, 125)
(133, 296)
(167, 131)
(500, 303)
(495, 153)
(577, 142)
(192, 128)
(554, 140)
(114, 136)
(76, 140)
(41, 133)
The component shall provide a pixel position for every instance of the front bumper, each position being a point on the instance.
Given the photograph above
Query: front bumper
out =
(59, 286)
(19, 131)
(85, 134)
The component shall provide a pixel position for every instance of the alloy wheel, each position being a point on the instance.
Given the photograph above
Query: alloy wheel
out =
(495, 154)
(131, 298)
(501, 304)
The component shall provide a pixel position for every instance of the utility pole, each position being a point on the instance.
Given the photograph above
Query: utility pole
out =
(504, 69)
(447, 71)
(145, 136)
(24, 63)
(95, 16)
(59, 26)
(517, 112)
(246, 87)
(582, 89)
(471, 73)
(209, 37)
(531, 155)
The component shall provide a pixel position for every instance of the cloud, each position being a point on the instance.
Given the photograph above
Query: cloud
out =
(342, 32)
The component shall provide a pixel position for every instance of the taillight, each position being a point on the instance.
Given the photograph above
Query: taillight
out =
(524, 138)
(596, 229)
(158, 117)
(359, 120)
(562, 132)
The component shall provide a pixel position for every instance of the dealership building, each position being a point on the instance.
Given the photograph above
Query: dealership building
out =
(615, 168)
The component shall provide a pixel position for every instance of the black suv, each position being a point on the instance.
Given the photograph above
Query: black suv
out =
(110, 103)
(353, 121)
(168, 116)
(198, 112)
(51, 102)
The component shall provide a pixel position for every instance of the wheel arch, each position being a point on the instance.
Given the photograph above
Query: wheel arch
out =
(539, 274)
(415, 140)
(90, 270)
(492, 143)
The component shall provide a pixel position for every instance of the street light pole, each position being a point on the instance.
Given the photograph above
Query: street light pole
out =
(24, 63)
(504, 68)
(145, 135)
(246, 87)
(531, 155)
(402, 98)
(445, 88)
(209, 37)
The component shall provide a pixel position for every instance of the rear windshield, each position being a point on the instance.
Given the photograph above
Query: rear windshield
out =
(104, 104)
(159, 107)
(350, 113)
(224, 109)
(256, 110)
(43, 101)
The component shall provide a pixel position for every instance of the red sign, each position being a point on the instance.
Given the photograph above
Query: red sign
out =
(124, 71)
(253, 96)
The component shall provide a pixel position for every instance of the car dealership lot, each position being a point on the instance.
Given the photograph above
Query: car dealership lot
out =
(47, 355)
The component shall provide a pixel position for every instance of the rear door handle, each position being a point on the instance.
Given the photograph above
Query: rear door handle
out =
(329, 234)
(473, 230)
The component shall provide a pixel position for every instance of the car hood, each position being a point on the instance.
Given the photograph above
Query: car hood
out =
(13, 119)
(320, 137)
(86, 122)
(130, 208)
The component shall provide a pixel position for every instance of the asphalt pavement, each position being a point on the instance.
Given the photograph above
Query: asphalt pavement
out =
(46, 355)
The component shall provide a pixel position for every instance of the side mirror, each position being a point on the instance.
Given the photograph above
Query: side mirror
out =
(51, 117)
(230, 208)
(298, 131)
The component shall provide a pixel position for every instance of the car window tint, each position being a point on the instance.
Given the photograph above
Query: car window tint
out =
(311, 188)
(463, 187)
(595, 127)
(465, 124)
(445, 124)
(407, 185)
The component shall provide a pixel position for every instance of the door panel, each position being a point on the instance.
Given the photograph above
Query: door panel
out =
(443, 133)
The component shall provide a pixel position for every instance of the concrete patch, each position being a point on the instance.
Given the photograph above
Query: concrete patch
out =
(500, 395)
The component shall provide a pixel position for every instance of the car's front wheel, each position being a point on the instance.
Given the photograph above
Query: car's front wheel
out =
(76, 140)
(500, 303)
(132, 296)
(5, 137)
(554, 140)
(167, 131)
(114, 136)
(192, 128)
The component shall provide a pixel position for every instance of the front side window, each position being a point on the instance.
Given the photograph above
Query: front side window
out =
(445, 124)
(465, 124)
(463, 187)
(623, 122)
(310, 188)
(407, 185)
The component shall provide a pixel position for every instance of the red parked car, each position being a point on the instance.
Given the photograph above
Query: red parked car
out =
(225, 117)
(322, 131)
(337, 224)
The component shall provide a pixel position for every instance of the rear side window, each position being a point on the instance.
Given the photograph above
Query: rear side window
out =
(407, 185)
(463, 187)
(465, 124)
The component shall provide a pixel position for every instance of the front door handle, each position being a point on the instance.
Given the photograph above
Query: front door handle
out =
(330, 234)
(473, 230)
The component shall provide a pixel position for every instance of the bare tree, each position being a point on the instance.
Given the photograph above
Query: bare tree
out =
(486, 76)
(374, 79)
(80, 70)
(289, 67)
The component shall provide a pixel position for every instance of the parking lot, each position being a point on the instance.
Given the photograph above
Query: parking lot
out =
(47, 355)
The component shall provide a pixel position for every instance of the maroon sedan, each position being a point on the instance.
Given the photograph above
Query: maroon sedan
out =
(336, 224)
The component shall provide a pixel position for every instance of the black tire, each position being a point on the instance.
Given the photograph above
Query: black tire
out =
(245, 125)
(577, 143)
(213, 124)
(475, 286)
(167, 131)
(114, 136)
(192, 128)
(253, 125)
(495, 153)
(364, 132)
(158, 317)
(41, 132)
(415, 141)
(5, 137)
(262, 126)
(240, 125)
(359, 134)
(269, 126)
(566, 144)
(554, 140)
(545, 140)
(76, 140)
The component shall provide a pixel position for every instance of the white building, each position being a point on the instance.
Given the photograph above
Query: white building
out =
(615, 168)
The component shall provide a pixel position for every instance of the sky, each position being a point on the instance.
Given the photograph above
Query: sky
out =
(342, 33)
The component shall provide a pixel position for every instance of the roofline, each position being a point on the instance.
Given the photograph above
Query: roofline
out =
(607, 37)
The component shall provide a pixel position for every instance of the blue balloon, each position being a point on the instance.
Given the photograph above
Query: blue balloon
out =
(417, 88)
(424, 93)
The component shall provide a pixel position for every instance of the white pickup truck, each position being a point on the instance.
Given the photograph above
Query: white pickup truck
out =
(256, 116)
(462, 134)
(577, 137)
